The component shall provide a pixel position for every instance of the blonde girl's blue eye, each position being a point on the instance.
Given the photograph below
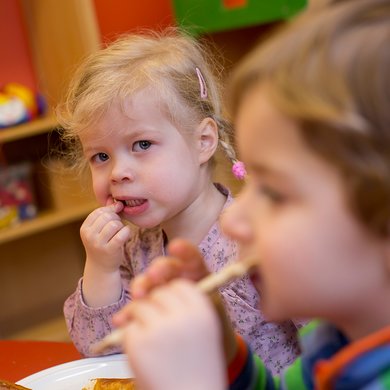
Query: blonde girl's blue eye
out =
(100, 157)
(141, 145)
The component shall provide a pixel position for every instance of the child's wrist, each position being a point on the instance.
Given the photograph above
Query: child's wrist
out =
(94, 277)
(100, 265)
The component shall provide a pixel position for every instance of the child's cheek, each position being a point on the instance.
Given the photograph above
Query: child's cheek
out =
(101, 194)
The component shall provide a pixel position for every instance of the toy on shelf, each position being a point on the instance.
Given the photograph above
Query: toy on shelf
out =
(16, 194)
(19, 104)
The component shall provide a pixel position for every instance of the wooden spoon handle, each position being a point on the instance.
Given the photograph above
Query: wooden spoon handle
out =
(207, 285)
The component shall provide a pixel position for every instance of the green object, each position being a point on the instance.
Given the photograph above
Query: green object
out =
(203, 16)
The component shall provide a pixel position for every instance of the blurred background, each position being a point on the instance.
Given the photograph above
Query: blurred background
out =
(42, 204)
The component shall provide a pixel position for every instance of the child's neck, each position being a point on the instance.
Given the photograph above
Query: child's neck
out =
(373, 316)
(195, 221)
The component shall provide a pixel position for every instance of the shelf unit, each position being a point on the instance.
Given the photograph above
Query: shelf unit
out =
(47, 248)
(41, 259)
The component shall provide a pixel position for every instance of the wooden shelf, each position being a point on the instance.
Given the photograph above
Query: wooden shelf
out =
(45, 221)
(29, 129)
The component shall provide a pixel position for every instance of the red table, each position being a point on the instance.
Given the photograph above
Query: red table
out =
(19, 359)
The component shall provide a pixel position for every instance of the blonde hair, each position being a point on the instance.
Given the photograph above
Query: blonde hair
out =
(164, 62)
(329, 70)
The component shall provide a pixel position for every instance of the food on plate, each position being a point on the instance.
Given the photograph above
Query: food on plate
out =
(5, 385)
(111, 384)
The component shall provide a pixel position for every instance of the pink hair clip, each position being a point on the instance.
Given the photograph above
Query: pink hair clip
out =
(202, 84)
(239, 170)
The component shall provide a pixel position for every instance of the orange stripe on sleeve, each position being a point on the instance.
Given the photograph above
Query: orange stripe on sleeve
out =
(327, 371)
(235, 367)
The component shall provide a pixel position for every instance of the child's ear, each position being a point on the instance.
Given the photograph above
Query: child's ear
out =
(207, 138)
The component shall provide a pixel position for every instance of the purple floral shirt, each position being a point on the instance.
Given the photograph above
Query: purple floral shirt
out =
(276, 344)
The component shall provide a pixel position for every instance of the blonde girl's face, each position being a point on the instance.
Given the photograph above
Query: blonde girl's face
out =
(137, 156)
(315, 258)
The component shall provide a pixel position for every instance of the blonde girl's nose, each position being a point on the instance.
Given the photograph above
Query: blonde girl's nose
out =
(121, 171)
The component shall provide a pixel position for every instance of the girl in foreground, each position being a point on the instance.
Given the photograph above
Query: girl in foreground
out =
(313, 128)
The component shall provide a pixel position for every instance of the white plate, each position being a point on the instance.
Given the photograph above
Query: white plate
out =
(74, 375)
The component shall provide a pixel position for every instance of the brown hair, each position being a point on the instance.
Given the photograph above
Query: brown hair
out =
(329, 70)
(164, 62)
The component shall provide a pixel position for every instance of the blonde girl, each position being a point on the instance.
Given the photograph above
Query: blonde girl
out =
(145, 114)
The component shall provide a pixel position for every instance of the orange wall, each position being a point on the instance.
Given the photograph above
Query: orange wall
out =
(16, 64)
(119, 16)
(114, 17)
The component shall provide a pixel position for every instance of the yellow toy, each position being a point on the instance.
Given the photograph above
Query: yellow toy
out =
(19, 104)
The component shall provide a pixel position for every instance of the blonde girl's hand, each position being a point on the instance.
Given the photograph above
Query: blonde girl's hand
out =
(104, 236)
(173, 340)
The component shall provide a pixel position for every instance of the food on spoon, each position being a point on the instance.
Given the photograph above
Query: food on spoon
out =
(5, 385)
(111, 384)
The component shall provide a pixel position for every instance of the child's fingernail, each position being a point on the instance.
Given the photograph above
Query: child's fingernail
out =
(118, 205)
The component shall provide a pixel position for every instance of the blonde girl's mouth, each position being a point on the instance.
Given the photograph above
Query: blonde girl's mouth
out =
(133, 207)
(131, 202)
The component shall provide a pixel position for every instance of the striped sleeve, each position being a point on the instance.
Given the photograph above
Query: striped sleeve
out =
(292, 377)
